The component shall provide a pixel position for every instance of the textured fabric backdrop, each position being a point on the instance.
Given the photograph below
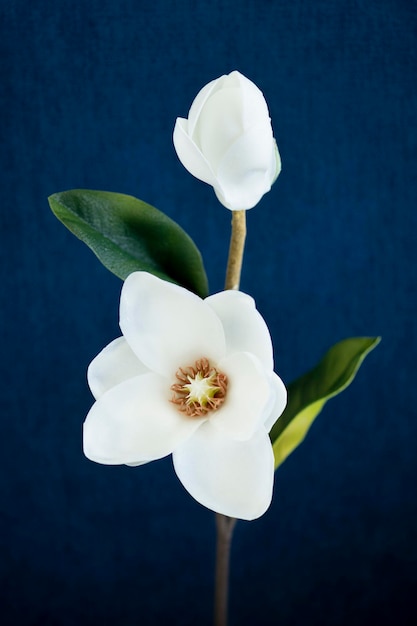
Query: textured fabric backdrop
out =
(89, 95)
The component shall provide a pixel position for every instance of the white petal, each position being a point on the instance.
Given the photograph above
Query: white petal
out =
(229, 477)
(244, 173)
(199, 101)
(136, 464)
(219, 125)
(226, 81)
(277, 404)
(190, 155)
(244, 327)
(254, 107)
(248, 392)
(167, 326)
(114, 364)
(135, 422)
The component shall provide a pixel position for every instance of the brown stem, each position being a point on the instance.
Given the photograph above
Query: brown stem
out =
(237, 245)
(225, 526)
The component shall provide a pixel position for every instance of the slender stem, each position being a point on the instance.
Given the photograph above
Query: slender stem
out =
(225, 524)
(237, 245)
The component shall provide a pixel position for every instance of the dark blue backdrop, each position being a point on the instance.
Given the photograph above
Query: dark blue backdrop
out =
(89, 95)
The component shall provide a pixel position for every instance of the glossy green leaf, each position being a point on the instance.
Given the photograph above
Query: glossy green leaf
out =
(308, 394)
(127, 235)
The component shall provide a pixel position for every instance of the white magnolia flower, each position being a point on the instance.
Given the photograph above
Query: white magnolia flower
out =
(193, 378)
(227, 141)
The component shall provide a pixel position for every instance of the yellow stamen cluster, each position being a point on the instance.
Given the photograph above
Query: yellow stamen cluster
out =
(200, 389)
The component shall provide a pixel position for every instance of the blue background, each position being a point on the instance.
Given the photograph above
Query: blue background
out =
(89, 95)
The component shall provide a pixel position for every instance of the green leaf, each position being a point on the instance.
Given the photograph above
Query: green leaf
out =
(308, 394)
(127, 235)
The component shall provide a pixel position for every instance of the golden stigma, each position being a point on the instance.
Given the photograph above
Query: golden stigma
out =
(200, 389)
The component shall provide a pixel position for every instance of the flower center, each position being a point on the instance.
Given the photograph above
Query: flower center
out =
(200, 389)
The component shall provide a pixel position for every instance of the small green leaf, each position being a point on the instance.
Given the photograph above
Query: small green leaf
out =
(127, 235)
(308, 394)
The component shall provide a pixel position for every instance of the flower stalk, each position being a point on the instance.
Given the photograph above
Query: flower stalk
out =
(237, 245)
(224, 524)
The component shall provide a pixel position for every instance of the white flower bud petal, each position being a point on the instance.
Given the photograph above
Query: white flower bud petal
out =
(253, 105)
(219, 125)
(190, 155)
(244, 174)
(199, 102)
